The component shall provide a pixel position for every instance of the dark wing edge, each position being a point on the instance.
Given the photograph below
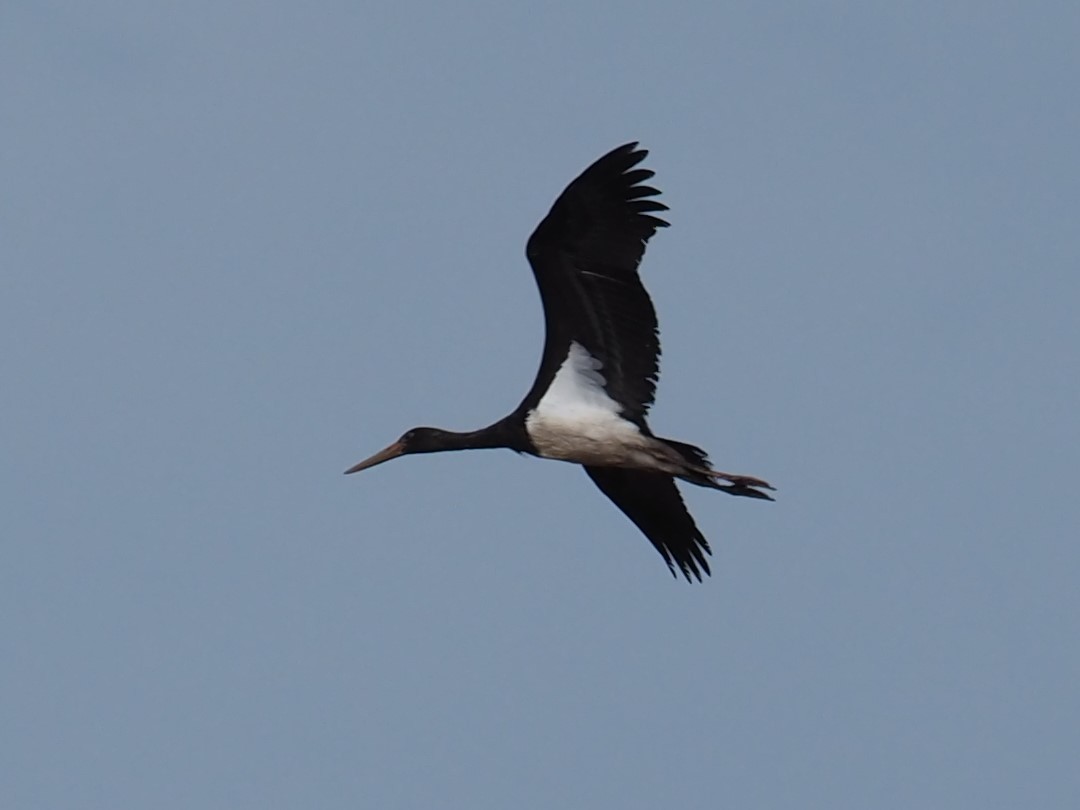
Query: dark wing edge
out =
(585, 255)
(652, 501)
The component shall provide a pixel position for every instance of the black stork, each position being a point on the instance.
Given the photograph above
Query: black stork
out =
(599, 368)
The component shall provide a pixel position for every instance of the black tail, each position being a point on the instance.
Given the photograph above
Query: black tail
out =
(694, 455)
(698, 459)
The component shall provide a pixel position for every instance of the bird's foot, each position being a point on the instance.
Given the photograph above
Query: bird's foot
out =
(741, 480)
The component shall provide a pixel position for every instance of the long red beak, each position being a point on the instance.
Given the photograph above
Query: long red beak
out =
(393, 451)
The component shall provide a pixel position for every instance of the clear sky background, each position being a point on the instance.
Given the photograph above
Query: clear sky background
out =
(246, 244)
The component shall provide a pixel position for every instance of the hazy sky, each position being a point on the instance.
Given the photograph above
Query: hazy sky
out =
(244, 245)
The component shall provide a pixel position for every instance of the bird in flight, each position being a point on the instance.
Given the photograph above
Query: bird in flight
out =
(600, 365)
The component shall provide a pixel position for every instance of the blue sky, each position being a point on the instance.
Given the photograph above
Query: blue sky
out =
(246, 244)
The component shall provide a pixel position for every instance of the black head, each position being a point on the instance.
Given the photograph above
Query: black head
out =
(425, 440)
(417, 440)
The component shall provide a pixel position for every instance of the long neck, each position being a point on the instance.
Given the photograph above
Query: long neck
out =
(500, 434)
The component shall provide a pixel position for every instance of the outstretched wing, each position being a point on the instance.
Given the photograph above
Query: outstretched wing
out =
(585, 256)
(652, 501)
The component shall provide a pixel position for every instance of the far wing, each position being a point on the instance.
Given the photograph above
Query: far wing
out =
(652, 501)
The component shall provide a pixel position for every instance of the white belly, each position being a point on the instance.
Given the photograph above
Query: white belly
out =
(589, 438)
(577, 421)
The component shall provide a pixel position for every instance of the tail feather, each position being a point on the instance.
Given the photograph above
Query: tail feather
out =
(701, 473)
(692, 453)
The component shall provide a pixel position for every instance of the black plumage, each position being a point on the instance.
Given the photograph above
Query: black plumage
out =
(585, 255)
